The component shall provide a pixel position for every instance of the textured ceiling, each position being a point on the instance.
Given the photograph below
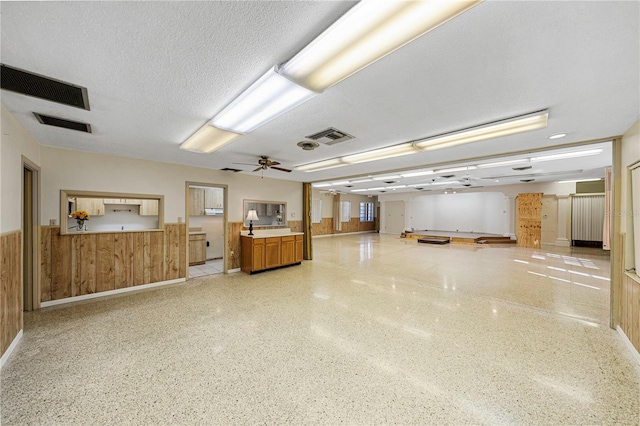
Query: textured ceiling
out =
(157, 71)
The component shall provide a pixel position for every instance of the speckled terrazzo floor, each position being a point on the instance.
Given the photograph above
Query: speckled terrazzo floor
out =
(375, 330)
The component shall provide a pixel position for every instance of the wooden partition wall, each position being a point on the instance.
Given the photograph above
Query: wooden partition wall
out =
(529, 220)
(354, 225)
(80, 264)
(10, 288)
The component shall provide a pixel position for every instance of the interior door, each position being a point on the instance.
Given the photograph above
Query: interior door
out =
(394, 221)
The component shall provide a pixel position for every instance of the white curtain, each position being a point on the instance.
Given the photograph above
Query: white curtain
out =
(316, 210)
(606, 228)
(587, 217)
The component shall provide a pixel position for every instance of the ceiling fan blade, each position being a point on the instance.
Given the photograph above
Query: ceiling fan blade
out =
(258, 169)
(272, 163)
(281, 169)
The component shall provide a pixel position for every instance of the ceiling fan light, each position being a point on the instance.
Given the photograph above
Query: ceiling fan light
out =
(270, 96)
(367, 32)
(208, 139)
(511, 126)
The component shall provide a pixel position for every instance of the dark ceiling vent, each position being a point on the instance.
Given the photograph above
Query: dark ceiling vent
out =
(39, 86)
(522, 168)
(348, 186)
(447, 176)
(229, 169)
(61, 122)
(382, 191)
(527, 180)
(390, 181)
(308, 145)
(466, 184)
(330, 136)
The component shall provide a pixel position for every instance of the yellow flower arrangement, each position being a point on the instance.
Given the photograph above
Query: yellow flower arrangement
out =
(80, 215)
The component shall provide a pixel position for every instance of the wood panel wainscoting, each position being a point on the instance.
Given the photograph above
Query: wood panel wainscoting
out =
(354, 225)
(630, 309)
(80, 264)
(10, 288)
(233, 245)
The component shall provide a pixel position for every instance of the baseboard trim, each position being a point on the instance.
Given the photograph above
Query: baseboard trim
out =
(12, 346)
(109, 293)
(342, 233)
(634, 351)
(232, 271)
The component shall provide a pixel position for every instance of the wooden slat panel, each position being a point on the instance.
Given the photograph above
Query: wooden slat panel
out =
(147, 258)
(323, 228)
(60, 265)
(182, 273)
(45, 264)
(233, 244)
(10, 288)
(156, 257)
(635, 308)
(76, 262)
(123, 260)
(295, 226)
(172, 251)
(88, 264)
(105, 276)
(138, 258)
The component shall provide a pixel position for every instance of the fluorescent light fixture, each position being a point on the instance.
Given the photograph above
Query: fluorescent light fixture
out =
(321, 185)
(321, 165)
(381, 154)
(564, 155)
(511, 126)
(380, 188)
(359, 190)
(342, 182)
(415, 185)
(396, 186)
(579, 180)
(362, 180)
(369, 31)
(266, 99)
(503, 163)
(416, 174)
(455, 182)
(558, 136)
(456, 169)
(207, 139)
(389, 177)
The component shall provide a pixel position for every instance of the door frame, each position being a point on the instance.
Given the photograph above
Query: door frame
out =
(225, 198)
(34, 241)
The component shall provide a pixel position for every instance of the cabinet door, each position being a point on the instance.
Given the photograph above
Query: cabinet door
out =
(93, 206)
(209, 198)
(220, 198)
(132, 201)
(196, 201)
(258, 255)
(197, 249)
(272, 257)
(288, 250)
(299, 248)
(149, 208)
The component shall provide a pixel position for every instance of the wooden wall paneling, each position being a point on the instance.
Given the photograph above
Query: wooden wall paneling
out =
(10, 288)
(295, 225)
(172, 250)
(105, 251)
(147, 258)
(45, 264)
(323, 228)
(233, 244)
(87, 274)
(182, 239)
(156, 257)
(530, 220)
(138, 258)
(635, 316)
(76, 263)
(123, 260)
(60, 265)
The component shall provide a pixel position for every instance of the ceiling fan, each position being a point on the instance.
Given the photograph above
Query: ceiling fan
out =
(264, 164)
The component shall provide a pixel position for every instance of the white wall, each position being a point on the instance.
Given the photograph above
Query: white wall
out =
(15, 142)
(213, 226)
(630, 155)
(509, 193)
(78, 170)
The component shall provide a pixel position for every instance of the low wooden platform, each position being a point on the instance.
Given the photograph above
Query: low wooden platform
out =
(444, 237)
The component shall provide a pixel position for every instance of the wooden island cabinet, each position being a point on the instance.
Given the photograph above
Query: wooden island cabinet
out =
(268, 251)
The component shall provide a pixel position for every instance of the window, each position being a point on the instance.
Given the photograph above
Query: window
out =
(316, 211)
(366, 212)
(345, 211)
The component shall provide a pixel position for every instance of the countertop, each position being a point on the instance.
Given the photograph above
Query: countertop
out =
(269, 234)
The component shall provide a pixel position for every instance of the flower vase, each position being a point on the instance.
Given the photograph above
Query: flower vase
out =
(80, 224)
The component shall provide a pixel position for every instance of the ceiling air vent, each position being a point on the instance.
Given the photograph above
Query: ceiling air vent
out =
(308, 145)
(390, 181)
(522, 168)
(330, 136)
(61, 122)
(39, 86)
(229, 169)
(447, 176)
(527, 180)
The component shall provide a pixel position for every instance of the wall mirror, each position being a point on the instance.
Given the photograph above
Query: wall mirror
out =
(270, 213)
(86, 211)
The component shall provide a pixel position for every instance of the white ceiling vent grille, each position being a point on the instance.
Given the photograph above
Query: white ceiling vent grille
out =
(330, 136)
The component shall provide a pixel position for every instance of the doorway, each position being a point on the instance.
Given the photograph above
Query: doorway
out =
(394, 211)
(206, 223)
(30, 235)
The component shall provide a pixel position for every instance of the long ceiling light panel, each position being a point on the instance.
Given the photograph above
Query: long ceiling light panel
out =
(207, 139)
(367, 32)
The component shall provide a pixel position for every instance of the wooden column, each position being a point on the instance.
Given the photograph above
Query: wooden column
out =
(306, 221)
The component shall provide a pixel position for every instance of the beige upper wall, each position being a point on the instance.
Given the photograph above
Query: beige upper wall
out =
(15, 142)
(630, 148)
(356, 199)
(79, 170)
